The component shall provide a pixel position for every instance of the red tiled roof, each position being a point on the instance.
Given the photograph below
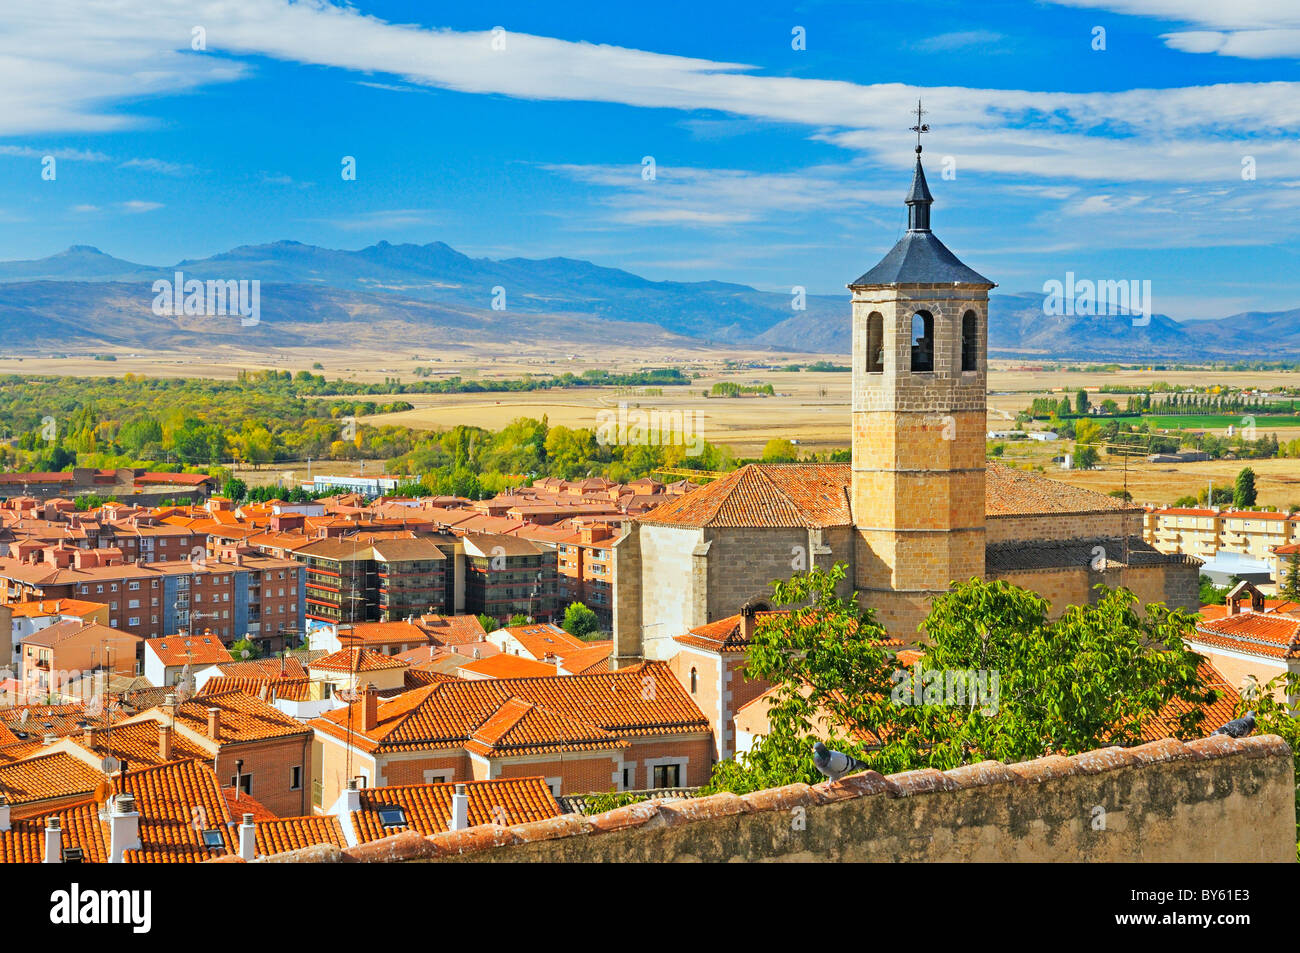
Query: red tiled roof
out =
(641, 700)
(427, 807)
(508, 666)
(1213, 714)
(520, 727)
(763, 494)
(290, 833)
(48, 777)
(205, 649)
(1256, 633)
(364, 660)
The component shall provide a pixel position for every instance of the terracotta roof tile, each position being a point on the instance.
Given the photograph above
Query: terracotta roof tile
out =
(291, 833)
(427, 807)
(1256, 633)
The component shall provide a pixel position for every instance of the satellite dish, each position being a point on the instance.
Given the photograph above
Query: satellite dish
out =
(110, 764)
(243, 653)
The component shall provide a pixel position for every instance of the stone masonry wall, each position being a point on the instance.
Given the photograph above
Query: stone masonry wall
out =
(1215, 799)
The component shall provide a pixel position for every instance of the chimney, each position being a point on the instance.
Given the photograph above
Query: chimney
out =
(165, 742)
(460, 808)
(214, 724)
(4, 814)
(369, 707)
(88, 735)
(747, 615)
(351, 798)
(50, 738)
(53, 841)
(247, 838)
(124, 828)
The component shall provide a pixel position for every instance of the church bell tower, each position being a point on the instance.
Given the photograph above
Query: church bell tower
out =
(920, 341)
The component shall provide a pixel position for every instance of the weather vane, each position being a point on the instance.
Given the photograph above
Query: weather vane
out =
(920, 127)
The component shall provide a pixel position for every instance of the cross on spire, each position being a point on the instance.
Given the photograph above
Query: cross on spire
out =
(920, 127)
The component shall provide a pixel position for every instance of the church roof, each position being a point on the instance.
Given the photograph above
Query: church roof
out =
(920, 258)
(1012, 492)
(816, 494)
(765, 494)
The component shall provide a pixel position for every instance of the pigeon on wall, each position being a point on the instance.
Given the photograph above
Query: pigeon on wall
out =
(1238, 727)
(834, 764)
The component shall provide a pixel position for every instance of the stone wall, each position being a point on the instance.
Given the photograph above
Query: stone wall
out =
(1061, 526)
(1174, 584)
(1214, 799)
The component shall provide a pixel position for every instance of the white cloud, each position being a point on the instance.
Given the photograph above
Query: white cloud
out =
(716, 197)
(1248, 29)
(384, 219)
(76, 155)
(136, 205)
(985, 40)
(160, 166)
(96, 55)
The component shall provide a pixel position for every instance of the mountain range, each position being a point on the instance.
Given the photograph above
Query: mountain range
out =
(417, 295)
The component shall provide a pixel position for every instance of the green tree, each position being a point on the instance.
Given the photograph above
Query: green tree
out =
(580, 621)
(244, 645)
(235, 489)
(780, 451)
(1243, 491)
(1085, 457)
(1081, 402)
(489, 624)
(519, 619)
(1092, 678)
(826, 663)
(1291, 585)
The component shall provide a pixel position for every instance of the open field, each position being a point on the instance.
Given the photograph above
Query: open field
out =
(811, 408)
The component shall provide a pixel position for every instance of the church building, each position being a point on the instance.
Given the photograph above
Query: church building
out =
(918, 508)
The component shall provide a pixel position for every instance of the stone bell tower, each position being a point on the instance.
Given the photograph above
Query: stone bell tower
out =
(920, 339)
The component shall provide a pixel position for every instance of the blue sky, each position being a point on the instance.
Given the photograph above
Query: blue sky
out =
(774, 166)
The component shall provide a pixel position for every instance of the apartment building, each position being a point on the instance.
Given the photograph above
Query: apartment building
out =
(585, 567)
(366, 578)
(507, 576)
(64, 652)
(1205, 531)
(236, 594)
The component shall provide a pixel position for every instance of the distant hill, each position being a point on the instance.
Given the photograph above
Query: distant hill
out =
(432, 293)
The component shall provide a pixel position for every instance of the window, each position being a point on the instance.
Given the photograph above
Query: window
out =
(133, 586)
(627, 779)
(667, 776)
(923, 341)
(245, 783)
(875, 343)
(970, 342)
(213, 840)
(392, 817)
(436, 777)
(133, 620)
(295, 778)
(695, 680)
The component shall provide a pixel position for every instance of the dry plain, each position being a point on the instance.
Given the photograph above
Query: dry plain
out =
(810, 408)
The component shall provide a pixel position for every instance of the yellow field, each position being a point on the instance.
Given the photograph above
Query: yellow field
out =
(810, 408)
